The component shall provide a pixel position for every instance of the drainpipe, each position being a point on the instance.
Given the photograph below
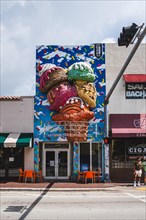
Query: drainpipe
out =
(106, 100)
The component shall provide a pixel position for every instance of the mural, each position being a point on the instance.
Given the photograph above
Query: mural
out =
(70, 90)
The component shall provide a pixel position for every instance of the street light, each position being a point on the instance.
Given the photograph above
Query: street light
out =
(127, 35)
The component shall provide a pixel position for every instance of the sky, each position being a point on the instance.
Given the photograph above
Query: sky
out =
(26, 24)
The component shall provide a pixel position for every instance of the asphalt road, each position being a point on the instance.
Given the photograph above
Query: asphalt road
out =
(103, 205)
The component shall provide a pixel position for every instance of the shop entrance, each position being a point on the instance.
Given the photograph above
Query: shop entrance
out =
(56, 163)
(11, 159)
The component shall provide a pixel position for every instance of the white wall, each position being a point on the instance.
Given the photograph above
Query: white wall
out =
(28, 158)
(115, 58)
(17, 115)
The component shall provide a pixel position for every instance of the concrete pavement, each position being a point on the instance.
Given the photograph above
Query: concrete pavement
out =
(67, 186)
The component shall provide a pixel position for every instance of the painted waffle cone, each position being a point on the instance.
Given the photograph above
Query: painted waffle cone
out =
(76, 131)
(74, 116)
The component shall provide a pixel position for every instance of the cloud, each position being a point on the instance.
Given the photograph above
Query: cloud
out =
(27, 24)
(109, 40)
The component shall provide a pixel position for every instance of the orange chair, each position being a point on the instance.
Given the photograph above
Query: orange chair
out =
(81, 175)
(21, 175)
(97, 175)
(29, 174)
(89, 175)
(38, 175)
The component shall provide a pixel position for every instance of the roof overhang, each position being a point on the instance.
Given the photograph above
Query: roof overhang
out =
(135, 78)
(128, 125)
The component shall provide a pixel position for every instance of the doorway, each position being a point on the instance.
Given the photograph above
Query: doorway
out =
(11, 159)
(56, 163)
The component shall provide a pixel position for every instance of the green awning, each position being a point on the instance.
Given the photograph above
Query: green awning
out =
(9, 140)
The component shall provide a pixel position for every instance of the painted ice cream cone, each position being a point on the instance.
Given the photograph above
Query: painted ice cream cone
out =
(74, 116)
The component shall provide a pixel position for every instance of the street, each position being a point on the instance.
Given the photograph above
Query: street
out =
(114, 204)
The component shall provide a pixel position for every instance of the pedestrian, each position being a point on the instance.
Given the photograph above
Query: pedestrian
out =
(137, 171)
(144, 169)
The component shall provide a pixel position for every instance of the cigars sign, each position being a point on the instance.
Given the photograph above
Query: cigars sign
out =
(140, 149)
(135, 90)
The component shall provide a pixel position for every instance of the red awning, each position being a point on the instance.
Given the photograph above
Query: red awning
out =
(134, 78)
(128, 125)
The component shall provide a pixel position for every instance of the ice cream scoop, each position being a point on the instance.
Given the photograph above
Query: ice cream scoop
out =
(51, 77)
(80, 71)
(59, 94)
(87, 92)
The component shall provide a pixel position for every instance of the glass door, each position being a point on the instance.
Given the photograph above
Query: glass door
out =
(50, 164)
(62, 163)
(56, 164)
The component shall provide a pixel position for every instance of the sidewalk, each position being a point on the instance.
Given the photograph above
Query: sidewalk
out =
(65, 186)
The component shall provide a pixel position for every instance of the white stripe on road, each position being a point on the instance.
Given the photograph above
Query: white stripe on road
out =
(140, 198)
(65, 196)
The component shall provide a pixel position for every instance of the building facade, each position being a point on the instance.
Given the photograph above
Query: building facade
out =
(126, 110)
(16, 135)
(69, 109)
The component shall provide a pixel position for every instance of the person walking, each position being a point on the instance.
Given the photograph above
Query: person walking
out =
(144, 169)
(137, 171)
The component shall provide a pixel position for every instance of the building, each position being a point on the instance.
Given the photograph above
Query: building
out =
(68, 134)
(127, 110)
(16, 135)
(63, 146)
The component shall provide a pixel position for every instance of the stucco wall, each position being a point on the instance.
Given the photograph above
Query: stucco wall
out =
(115, 58)
(17, 115)
(29, 158)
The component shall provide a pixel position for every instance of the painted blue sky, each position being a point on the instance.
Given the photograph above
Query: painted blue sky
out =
(27, 24)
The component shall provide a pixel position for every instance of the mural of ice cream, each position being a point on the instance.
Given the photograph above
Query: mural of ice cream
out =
(71, 59)
(71, 93)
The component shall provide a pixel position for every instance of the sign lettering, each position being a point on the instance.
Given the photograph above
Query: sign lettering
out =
(136, 90)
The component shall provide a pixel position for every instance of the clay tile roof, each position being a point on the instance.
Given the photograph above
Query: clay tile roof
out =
(11, 98)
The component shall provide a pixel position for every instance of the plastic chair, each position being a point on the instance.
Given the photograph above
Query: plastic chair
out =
(21, 175)
(81, 175)
(89, 175)
(97, 175)
(29, 174)
(38, 175)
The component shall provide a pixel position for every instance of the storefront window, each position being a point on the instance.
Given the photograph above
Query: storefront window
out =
(90, 156)
(11, 159)
(96, 156)
(84, 156)
(125, 151)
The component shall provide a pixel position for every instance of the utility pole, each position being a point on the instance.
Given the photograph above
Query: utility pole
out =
(127, 37)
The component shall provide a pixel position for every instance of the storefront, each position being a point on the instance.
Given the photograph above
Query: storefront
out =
(69, 110)
(128, 132)
(13, 150)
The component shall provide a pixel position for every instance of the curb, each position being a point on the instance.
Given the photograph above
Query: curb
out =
(64, 189)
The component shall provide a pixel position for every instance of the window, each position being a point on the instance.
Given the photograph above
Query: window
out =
(90, 156)
(125, 151)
